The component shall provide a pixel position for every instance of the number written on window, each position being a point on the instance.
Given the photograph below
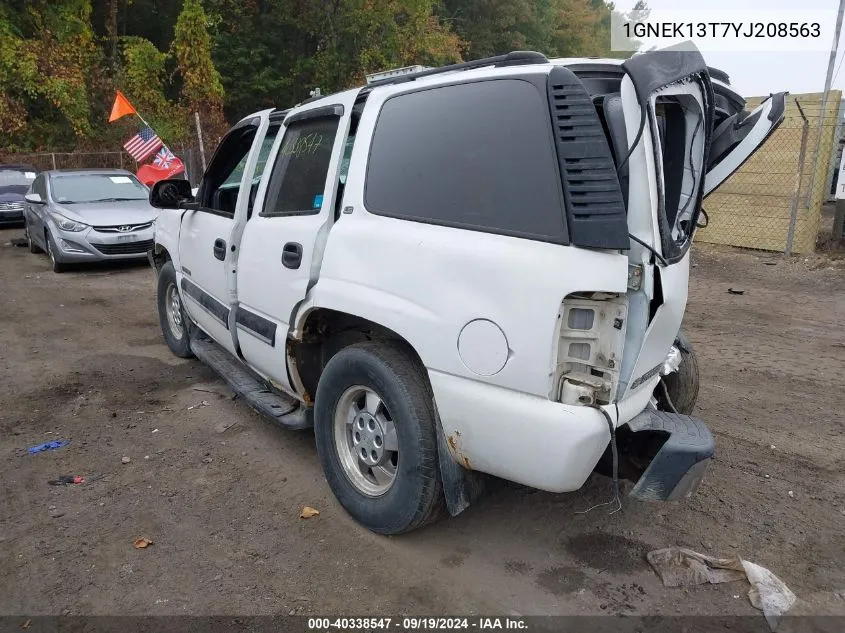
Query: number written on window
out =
(299, 175)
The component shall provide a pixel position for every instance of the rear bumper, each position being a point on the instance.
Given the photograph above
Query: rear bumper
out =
(679, 466)
(554, 447)
(521, 437)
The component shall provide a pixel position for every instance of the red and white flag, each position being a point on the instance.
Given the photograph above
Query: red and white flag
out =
(142, 144)
(164, 165)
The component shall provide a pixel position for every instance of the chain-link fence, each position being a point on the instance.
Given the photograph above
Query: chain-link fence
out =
(109, 160)
(774, 201)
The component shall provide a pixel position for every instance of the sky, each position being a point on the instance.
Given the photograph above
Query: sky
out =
(761, 73)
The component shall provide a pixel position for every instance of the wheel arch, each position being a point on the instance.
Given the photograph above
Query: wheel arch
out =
(159, 256)
(323, 333)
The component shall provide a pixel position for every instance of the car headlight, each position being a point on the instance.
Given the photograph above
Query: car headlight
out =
(66, 224)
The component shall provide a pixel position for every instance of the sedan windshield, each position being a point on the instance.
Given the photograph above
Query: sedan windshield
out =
(12, 177)
(71, 188)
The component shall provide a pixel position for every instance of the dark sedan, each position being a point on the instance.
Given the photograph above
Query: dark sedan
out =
(15, 181)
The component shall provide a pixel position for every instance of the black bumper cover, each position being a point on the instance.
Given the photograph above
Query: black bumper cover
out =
(680, 464)
(11, 217)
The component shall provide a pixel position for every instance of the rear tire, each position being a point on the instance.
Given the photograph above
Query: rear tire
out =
(683, 384)
(382, 388)
(175, 325)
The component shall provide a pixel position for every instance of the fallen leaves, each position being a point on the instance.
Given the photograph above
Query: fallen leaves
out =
(142, 543)
(308, 512)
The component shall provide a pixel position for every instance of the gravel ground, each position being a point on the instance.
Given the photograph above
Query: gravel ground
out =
(219, 491)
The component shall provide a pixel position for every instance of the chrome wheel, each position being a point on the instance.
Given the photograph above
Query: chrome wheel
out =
(173, 306)
(365, 440)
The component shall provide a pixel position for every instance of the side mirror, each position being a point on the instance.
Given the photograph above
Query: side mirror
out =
(33, 198)
(171, 194)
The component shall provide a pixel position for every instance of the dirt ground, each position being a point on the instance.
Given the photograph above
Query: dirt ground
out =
(82, 358)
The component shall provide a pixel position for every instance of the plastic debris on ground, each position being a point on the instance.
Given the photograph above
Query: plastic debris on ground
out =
(47, 446)
(681, 567)
(64, 480)
(308, 512)
(142, 543)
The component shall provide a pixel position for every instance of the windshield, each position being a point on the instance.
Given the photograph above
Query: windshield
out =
(12, 177)
(69, 189)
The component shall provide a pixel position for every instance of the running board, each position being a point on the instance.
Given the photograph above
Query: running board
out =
(279, 408)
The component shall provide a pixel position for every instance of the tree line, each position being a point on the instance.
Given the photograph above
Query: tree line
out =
(62, 60)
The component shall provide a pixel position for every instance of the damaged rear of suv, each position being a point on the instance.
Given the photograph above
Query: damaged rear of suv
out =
(481, 268)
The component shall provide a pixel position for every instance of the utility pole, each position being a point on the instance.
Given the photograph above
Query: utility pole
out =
(830, 64)
(199, 136)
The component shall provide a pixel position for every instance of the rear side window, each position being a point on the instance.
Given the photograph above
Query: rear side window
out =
(475, 156)
(302, 165)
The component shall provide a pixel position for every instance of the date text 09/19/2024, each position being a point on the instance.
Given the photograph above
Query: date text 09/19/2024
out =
(416, 624)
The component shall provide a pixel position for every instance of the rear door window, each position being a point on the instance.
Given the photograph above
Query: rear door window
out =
(477, 156)
(299, 175)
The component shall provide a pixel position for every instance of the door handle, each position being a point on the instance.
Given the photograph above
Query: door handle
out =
(292, 255)
(220, 249)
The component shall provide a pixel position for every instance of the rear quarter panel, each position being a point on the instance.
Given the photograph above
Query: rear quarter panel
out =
(426, 282)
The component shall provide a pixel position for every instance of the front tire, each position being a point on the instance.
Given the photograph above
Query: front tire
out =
(57, 266)
(33, 247)
(376, 437)
(172, 317)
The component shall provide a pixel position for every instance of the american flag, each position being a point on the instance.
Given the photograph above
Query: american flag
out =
(164, 158)
(142, 144)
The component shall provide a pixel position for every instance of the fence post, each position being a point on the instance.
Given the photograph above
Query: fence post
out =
(53, 156)
(833, 54)
(199, 137)
(793, 215)
(839, 221)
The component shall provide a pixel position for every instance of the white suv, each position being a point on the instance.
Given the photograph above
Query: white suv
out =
(469, 270)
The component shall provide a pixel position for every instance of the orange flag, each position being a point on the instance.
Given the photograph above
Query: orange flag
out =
(121, 107)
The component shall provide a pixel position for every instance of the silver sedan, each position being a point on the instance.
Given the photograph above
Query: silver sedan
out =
(88, 215)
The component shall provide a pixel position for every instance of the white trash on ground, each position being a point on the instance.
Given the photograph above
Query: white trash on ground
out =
(681, 567)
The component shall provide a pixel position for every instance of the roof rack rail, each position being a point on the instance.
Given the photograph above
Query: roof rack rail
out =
(514, 58)
(395, 72)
